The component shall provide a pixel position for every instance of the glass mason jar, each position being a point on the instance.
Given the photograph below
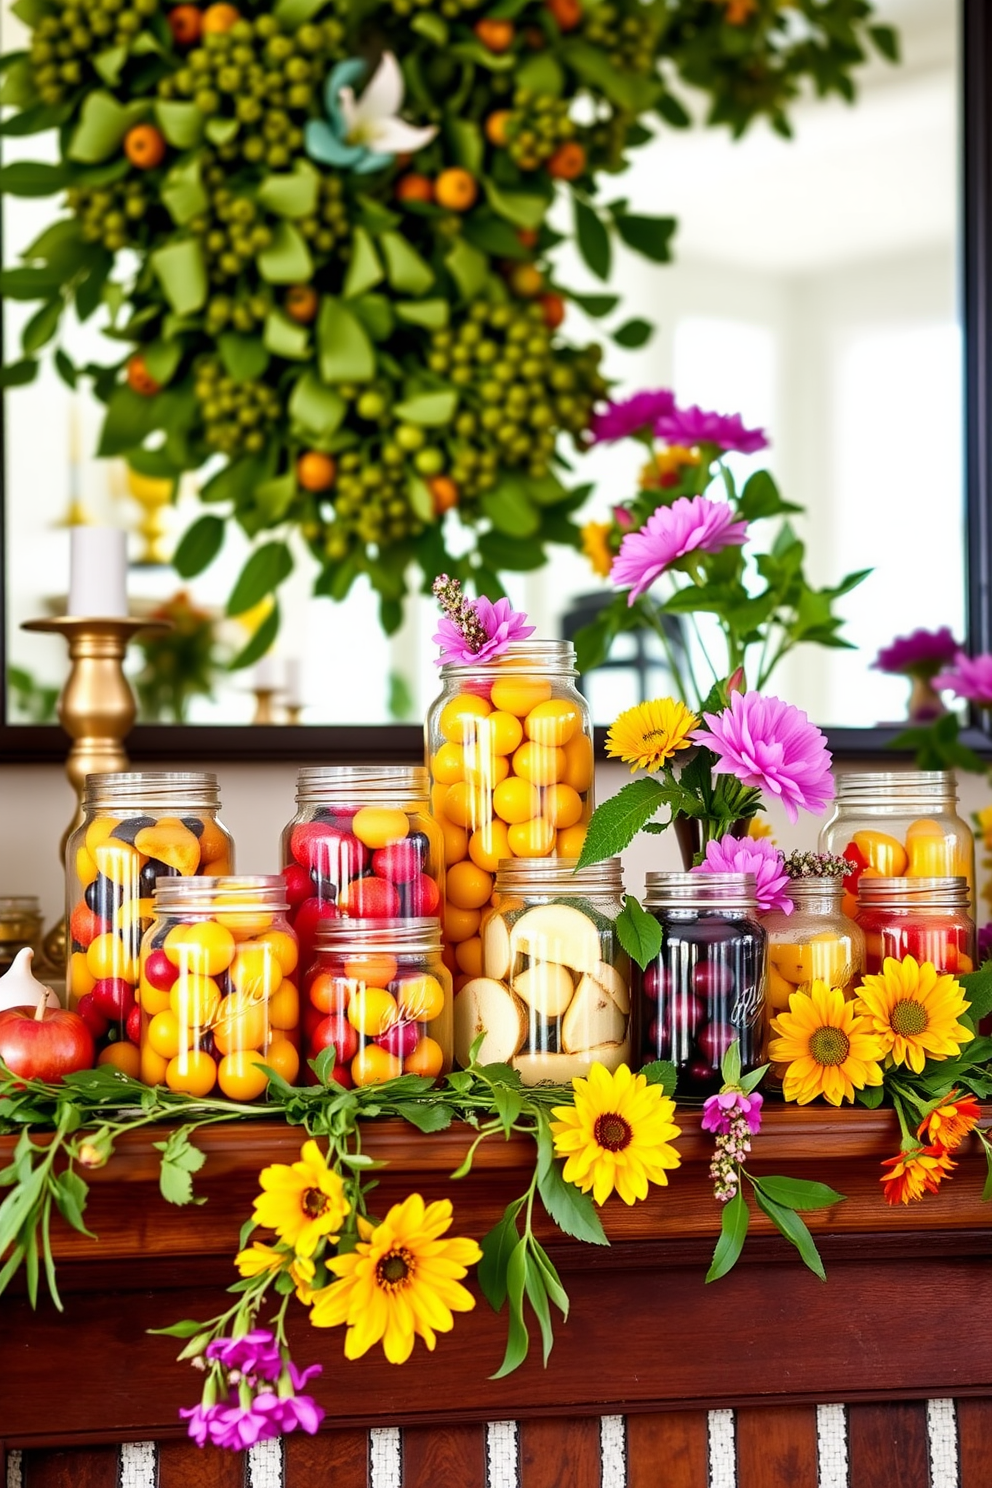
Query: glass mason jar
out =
(218, 993)
(816, 942)
(707, 985)
(138, 827)
(553, 996)
(509, 744)
(20, 926)
(926, 918)
(899, 823)
(364, 844)
(380, 993)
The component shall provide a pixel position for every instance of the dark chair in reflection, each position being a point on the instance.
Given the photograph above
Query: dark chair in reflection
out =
(636, 652)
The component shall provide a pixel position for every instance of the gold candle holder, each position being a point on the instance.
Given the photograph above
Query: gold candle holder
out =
(265, 711)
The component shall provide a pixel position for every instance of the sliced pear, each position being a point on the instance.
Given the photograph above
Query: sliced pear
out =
(592, 1018)
(487, 1006)
(495, 946)
(546, 987)
(559, 933)
(612, 982)
(559, 1069)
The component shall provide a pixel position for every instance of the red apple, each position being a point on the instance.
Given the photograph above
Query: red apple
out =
(45, 1043)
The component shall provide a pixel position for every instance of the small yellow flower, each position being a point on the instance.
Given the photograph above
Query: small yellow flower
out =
(913, 1010)
(400, 1280)
(984, 818)
(646, 736)
(828, 1046)
(758, 827)
(262, 1259)
(617, 1135)
(303, 1202)
(596, 547)
(665, 468)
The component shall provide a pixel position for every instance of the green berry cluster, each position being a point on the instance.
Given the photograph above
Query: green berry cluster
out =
(630, 39)
(67, 36)
(264, 80)
(328, 227)
(537, 125)
(112, 214)
(370, 503)
(232, 235)
(450, 9)
(237, 416)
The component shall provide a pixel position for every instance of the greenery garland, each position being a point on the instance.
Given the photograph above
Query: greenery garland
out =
(347, 343)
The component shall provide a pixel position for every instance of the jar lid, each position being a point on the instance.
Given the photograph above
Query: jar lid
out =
(913, 893)
(348, 784)
(519, 658)
(896, 788)
(239, 892)
(401, 937)
(701, 890)
(169, 789)
(558, 876)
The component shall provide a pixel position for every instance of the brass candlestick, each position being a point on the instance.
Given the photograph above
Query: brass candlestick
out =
(264, 707)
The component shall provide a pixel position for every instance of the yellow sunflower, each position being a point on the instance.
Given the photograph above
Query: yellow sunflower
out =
(828, 1047)
(596, 547)
(304, 1202)
(646, 736)
(400, 1280)
(617, 1134)
(268, 1258)
(914, 1009)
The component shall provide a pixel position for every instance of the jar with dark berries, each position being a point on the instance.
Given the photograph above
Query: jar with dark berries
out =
(706, 987)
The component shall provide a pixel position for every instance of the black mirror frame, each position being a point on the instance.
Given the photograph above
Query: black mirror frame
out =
(386, 743)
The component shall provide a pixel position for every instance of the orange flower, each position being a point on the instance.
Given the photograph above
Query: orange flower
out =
(949, 1123)
(915, 1173)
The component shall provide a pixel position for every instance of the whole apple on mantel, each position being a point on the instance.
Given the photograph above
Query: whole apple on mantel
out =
(39, 1041)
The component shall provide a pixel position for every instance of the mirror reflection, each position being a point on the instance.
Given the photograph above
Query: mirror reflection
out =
(813, 290)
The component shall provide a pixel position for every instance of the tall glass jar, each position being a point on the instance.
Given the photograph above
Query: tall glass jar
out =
(816, 942)
(899, 823)
(553, 996)
(380, 993)
(509, 744)
(707, 986)
(363, 844)
(218, 991)
(138, 827)
(926, 918)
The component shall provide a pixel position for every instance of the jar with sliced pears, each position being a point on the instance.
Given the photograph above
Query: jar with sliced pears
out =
(816, 942)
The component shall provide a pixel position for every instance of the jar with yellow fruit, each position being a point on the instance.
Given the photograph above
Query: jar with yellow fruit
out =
(218, 987)
(899, 824)
(816, 942)
(509, 745)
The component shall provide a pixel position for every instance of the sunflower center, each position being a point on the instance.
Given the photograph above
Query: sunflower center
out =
(829, 1045)
(656, 734)
(909, 1016)
(612, 1132)
(313, 1202)
(393, 1270)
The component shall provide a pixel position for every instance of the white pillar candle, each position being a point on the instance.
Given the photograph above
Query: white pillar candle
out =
(267, 676)
(97, 572)
(294, 683)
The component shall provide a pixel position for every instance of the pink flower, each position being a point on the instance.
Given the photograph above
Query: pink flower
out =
(690, 524)
(500, 623)
(970, 678)
(919, 654)
(238, 1426)
(984, 943)
(695, 426)
(631, 416)
(253, 1353)
(772, 746)
(719, 1111)
(751, 855)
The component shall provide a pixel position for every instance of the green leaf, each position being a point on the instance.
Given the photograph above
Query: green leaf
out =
(375, 312)
(35, 120)
(616, 823)
(467, 145)
(629, 91)
(788, 1223)
(468, 267)
(987, 1188)
(871, 1097)
(32, 178)
(110, 64)
(523, 208)
(552, 1281)
(257, 647)
(733, 1232)
(180, 270)
(537, 1296)
(518, 1339)
(29, 283)
(649, 236)
(221, 131)
(428, 24)
(634, 333)
(292, 14)
(978, 990)
(595, 305)
(426, 1118)
(42, 326)
(638, 932)
(519, 555)
(103, 123)
(291, 193)
(508, 508)
(430, 313)
(199, 546)
(496, 1248)
(429, 409)
(129, 420)
(181, 123)
(405, 269)
(180, 1160)
(244, 357)
(346, 354)
(18, 88)
(541, 73)
(798, 1193)
(593, 240)
(886, 41)
(71, 1193)
(264, 571)
(314, 407)
(284, 338)
(162, 358)
(572, 1210)
(183, 193)
(287, 258)
(364, 268)
(661, 1072)
(274, 497)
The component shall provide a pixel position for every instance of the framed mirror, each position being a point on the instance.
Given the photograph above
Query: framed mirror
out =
(926, 235)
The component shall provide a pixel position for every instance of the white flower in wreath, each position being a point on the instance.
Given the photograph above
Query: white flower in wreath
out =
(364, 134)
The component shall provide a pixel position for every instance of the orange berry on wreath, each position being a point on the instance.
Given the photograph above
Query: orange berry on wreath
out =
(496, 36)
(568, 13)
(526, 281)
(186, 24)
(139, 379)
(495, 127)
(301, 303)
(568, 162)
(552, 310)
(144, 146)
(219, 18)
(414, 187)
(527, 237)
(315, 471)
(455, 189)
(444, 493)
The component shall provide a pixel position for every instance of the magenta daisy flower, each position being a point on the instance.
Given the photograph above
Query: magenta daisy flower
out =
(969, 678)
(630, 416)
(922, 653)
(718, 1110)
(499, 624)
(772, 746)
(695, 426)
(690, 524)
(751, 855)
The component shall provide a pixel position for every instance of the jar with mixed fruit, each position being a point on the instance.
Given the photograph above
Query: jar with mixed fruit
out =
(899, 823)
(378, 992)
(139, 827)
(926, 918)
(706, 987)
(218, 990)
(553, 996)
(511, 760)
(363, 844)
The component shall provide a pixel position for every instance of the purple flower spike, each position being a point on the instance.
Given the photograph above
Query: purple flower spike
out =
(695, 426)
(969, 678)
(253, 1353)
(719, 1111)
(631, 416)
(751, 855)
(690, 524)
(922, 653)
(772, 746)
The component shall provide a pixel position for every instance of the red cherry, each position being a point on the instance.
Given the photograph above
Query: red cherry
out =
(335, 1029)
(132, 1026)
(299, 885)
(712, 979)
(370, 899)
(114, 997)
(715, 1039)
(423, 897)
(401, 1039)
(400, 861)
(159, 971)
(685, 1013)
(98, 1025)
(85, 926)
(309, 916)
(329, 852)
(853, 854)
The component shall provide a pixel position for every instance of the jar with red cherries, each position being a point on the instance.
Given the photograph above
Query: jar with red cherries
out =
(926, 918)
